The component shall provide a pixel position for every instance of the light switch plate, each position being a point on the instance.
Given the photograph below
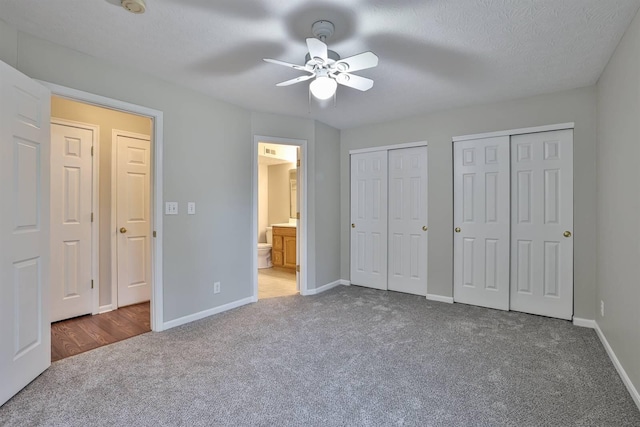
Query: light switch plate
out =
(191, 208)
(171, 208)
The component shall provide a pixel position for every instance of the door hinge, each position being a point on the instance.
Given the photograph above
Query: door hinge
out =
(298, 163)
(92, 150)
(91, 216)
(297, 215)
(91, 283)
(298, 268)
(154, 233)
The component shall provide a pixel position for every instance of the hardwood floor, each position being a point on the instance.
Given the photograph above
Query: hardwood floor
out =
(80, 334)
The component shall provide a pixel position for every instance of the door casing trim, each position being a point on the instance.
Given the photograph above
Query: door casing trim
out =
(157, 134)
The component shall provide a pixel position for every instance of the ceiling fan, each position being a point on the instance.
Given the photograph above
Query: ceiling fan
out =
(326, 68)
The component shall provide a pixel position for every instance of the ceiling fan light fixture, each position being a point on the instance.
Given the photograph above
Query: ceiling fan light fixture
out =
(323, 87)
(134, 6)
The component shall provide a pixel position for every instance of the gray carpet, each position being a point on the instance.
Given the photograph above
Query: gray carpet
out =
(348, 357)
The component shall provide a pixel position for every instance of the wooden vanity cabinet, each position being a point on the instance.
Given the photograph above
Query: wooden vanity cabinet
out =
(283, 249)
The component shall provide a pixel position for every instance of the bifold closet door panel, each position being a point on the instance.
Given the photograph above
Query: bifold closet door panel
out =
(408, 220)
(542, 223)
(369, 219)
(481, 221)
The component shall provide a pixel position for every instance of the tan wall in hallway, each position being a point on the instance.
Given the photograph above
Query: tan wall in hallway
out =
(279, 202)
(107, 120)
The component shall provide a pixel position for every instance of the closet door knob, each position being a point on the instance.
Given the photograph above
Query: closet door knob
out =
(424, 228)
(567, 234)
(123, 230)
(353, 225)
(457, 230)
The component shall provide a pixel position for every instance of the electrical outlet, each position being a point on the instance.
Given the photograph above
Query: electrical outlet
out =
(171, 208)
(601, 308)
(191, 208)
(216, 287)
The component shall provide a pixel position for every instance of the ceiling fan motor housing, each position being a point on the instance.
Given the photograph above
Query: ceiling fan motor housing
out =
(322, 29)
(330, 54)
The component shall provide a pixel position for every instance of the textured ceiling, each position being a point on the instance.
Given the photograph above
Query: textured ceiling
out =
(434, 54)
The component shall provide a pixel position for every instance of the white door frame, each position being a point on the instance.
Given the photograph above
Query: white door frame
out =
(302, 230)
(156, 116)
(95, 205)
(114, 209)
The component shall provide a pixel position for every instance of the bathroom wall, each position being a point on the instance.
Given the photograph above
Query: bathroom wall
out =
(107, 120)
(263, 201)
(279, 202)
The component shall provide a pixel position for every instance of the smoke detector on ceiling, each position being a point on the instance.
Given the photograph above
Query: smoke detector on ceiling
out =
(134, 6)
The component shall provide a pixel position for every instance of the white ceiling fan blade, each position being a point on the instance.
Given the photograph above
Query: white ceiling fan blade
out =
(287, 64)
(317, 49)
(296, 80)
(357, 62)
(356, 82)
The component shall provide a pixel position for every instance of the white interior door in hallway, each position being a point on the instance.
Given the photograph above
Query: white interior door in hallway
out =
(408, 220)
(481, 216)
(532, 210)
(389, 219)
(133, 222)
(71, 220)
(542, 223)
(25, 332)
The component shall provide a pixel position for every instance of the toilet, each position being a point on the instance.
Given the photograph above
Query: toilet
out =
(264, 251)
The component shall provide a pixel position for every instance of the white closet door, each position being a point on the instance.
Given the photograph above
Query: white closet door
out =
(481, 221)
(408, 220)
(369, 219)
(542, 220)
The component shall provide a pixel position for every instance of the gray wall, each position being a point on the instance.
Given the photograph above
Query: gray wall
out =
(207, 152)
(327, 182)
(207, 159)
(8, 44)
(618, 247)
(437, 129)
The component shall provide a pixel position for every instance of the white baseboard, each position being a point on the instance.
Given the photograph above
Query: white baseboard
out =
(206, 313)
(623, 374)
(584, 323)
(324, 288)
(345, 282)
(105, 308)
(440, 298)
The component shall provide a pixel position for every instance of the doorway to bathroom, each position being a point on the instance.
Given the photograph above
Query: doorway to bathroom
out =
(279, 213)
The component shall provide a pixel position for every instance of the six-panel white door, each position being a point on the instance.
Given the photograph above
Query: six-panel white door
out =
(71, 200)
(408, 220)
(542, 223)
(25, 328)
(369, 219)
(481, 221)
(133, 225)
